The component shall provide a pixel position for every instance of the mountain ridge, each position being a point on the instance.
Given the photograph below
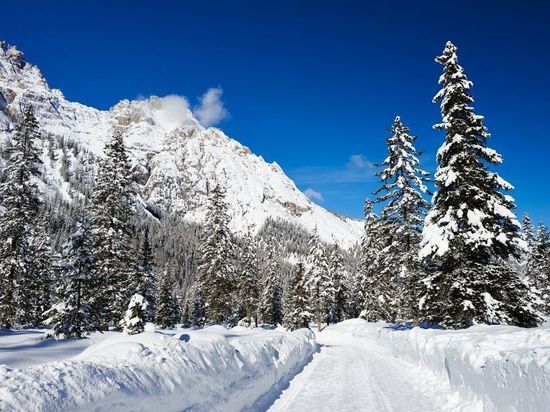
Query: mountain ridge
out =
(175, 159)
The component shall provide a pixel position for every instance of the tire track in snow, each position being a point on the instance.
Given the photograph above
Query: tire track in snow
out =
(355, 374)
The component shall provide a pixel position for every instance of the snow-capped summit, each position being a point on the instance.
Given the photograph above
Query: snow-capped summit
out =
(178, 159)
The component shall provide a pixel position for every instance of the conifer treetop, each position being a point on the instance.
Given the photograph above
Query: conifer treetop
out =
(469, 201)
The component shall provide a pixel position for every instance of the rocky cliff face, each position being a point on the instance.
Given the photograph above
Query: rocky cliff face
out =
(176, 160)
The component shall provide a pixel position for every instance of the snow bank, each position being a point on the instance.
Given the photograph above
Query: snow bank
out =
(499, 368)
(211, 369)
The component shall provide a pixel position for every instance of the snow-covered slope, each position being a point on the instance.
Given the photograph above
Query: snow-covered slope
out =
(176, 159)
(213, 369)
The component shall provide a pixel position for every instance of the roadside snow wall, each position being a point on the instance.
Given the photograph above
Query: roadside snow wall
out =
(212, 369)
(504, 368)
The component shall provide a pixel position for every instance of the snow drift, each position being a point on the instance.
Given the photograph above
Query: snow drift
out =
(210, 369)
(496, 368)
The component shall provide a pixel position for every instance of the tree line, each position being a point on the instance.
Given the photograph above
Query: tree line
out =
(461, 259)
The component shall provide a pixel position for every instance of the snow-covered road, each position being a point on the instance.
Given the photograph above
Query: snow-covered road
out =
(358, 374)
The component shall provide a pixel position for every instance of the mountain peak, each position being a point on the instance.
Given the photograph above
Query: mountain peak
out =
(177, 158)
(12, 55)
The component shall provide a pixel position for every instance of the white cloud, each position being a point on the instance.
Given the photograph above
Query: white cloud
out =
(357, 169)
(313, 194)
(358, 160)
(173, 111)
(210, 110)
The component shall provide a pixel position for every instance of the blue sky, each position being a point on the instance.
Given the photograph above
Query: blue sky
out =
(313, 85)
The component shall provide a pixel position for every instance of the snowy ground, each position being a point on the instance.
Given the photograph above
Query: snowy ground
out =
(356, 366)
(352, 373)
(372, 367)
(214, 369)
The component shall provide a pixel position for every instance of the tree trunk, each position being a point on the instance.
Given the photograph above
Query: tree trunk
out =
(318, 317)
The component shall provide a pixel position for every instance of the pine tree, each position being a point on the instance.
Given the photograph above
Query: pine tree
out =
(297, 313)
(135, 317)
(143, 280)
(471, 231)
(336, 289)
(270, 305)
(197, 315)
(216, 270)
(374, 287)
(165, 314)
(317, 277)
(249, 281)
(42, 256)
(538, 268)
(111, 210)
(528, 231)
(22, 261)
(402, 190)
(73, 312)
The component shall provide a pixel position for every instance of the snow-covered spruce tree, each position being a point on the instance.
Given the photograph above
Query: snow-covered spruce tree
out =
(335, 291)
(249, 278)
(135, 317)
(166, 311)
(270, 308)
(42, 256)
(73, 312)
(353, 295)
(471, 232)
(197, 311)
(374, 287)
(297, 313)
(143, 279)
(317, 277)
(216, 274)
(21, 244)
(528, 231)
(402, 190)
(111, 210)
(538, 268)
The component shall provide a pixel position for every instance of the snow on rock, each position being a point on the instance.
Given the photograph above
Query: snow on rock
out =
(497, 368)
(211, 369)
(179, 160)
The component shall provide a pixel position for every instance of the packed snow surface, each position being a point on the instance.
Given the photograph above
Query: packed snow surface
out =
(374, 367)
(213, 369)
(354, 366)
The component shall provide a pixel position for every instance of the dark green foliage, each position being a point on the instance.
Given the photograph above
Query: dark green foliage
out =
(74, 311)
(111, 210)
(24, 265)
(297, 312)
(471, 232)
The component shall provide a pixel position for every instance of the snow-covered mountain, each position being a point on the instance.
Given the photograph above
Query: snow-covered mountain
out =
(176, 160)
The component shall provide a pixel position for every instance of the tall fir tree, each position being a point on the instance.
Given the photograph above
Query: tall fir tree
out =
(471, 231)
(165, 311)
(74, 312)
(216, 271)
(336, 290)
(297, 312)
(43, 256)
(402, 193)
(23, 249)
(111, 210)
(143, 279)
(374, 287)
(528, 231)
(249, 277)
(317, 277)
(270, 307)
(538, 268)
